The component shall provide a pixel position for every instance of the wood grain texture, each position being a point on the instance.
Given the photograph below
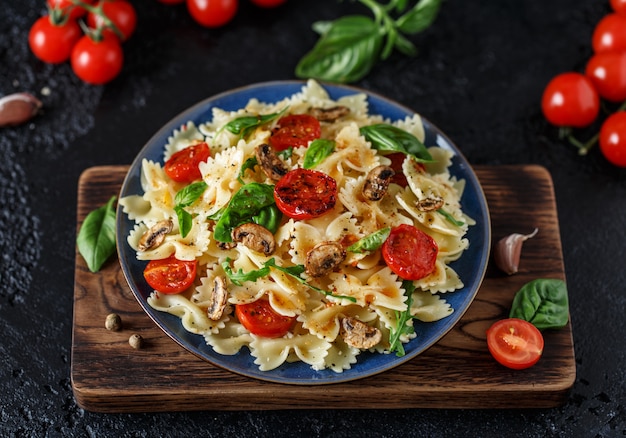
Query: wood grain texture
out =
(458, 372)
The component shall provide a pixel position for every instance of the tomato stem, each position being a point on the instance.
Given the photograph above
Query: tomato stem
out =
(583, 148)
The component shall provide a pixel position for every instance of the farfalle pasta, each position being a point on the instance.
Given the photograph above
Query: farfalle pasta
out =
(355, 299)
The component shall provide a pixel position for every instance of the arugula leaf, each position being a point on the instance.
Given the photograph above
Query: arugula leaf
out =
(402, 328)
(245, 125)
(385, 137)
(317, 151)
(184, 198)
(96, 238)
(370, 242)
(239, 277)
(450, 218)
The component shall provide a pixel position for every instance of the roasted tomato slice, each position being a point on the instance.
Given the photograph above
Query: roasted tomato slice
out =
(183, 165)
(170, 275)
(260, 319)
(410, 252)
(294, 131)
(515, 343)
(305, 193)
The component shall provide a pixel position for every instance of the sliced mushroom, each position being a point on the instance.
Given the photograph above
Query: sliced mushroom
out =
(431, 203)
(273, 166)
(256, 237)
(377, 182)
(225, 245)
(155, 235)
(330, 114)
(323, 258)
(218, 299)
(357, 334)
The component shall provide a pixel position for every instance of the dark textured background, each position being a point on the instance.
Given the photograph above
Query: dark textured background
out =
(479, 76)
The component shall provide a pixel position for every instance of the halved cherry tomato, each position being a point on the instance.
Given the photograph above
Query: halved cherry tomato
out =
(170, 275)
(609, 34)
(409, 252)
(97, 62)
(515, 343)
(613, 138)
(570, 100)
(305, 193)
(120, 12)
(183, 165)
(212, 13)
(268, 3)
(53, 43)
(295, 130)
(607, 71)
(260, 319)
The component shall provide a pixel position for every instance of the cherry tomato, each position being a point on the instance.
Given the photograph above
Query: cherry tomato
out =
(170, 275)
(120, 12)
(53, 43)
(268, 3)
(609, 34)
(183, 165)
(409, 252)
(607, 71)
(295, 130)
(260, 319)
(619, 6)
(305, 193)
(571, 100)
(613, 138)
(97, 62)
(68, 7)
(515, 343)
(212, 13)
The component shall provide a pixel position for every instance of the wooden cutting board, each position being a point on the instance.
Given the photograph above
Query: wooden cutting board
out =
(458, 372)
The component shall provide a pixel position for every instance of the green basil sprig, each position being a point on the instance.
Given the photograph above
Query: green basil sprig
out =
(245, 125)
(317, 152)
(402, 328)
(389, 138)
(542, 302)
(96, 238)
(350, 46)
(371, 242)
(184, 198)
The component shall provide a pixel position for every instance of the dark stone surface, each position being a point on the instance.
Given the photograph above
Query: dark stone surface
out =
(479, 76)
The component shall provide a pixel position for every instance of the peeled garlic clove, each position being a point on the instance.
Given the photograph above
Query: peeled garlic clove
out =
(18, 108)
(508, 250)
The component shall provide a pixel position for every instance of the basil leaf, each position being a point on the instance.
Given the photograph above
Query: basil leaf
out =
(450, 218)
(243, 206)
(185, 220)
(345, 52)
(239, 277)
(269, 217)
(371, 242)
(317, 151)
(96, 238)
(543, 303)
(404, 46)
(189, 194)
(420, 17)
(385, 137)
(243, 126)
(402, 327)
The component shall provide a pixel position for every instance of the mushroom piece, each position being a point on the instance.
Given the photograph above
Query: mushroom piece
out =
(377, 182)
(330, 114)
(218, 299)
(256, 237)
(273, 166)
(323, 258)
(357, 334)
(155, 235)
(431, 203)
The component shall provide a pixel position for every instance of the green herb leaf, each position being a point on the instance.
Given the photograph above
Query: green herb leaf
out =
(450, 218)
(96, 238)
(245, 125)
(185, 220)
(385, 137)
(317, 151)
(542, 302)
(269, 217)
(184, 198)
(239, 277)
(420, 17)
(402, 328)
(371, 242)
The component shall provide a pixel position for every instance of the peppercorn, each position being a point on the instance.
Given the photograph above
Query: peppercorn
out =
(113, 322)
(135, 341)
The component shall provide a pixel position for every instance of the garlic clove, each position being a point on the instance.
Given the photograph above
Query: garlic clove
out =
(508, 251)
(18, 108)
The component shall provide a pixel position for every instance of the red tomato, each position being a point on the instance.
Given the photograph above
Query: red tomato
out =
(97, 62)
(607, 71)
(295, 130)
(170, 275)
(120, 12)
(515, 343)
(410, 252)
(183, 165)
(68, 7)
(609, 34)
(305, 193)
(268, 3)
(613, 138)
(212, 13)
(571, 100)
(53, 43)
(619, 6)
(260, 319)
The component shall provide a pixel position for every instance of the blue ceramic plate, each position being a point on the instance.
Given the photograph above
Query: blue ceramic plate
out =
(471, 266)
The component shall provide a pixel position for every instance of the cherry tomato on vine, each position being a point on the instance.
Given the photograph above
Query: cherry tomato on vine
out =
(268, 3)
(619, 6)
(613, 138)
(120, 12)
(68, 7)
(260, 319)
(97, 62)
(609, 34)
(515, 343)
(53, 43)
(607, 71)
(183, 165)
(409, 252)
(570, 100)
(212, 13)
(170, 275)
(305, 193)
(295, 130)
